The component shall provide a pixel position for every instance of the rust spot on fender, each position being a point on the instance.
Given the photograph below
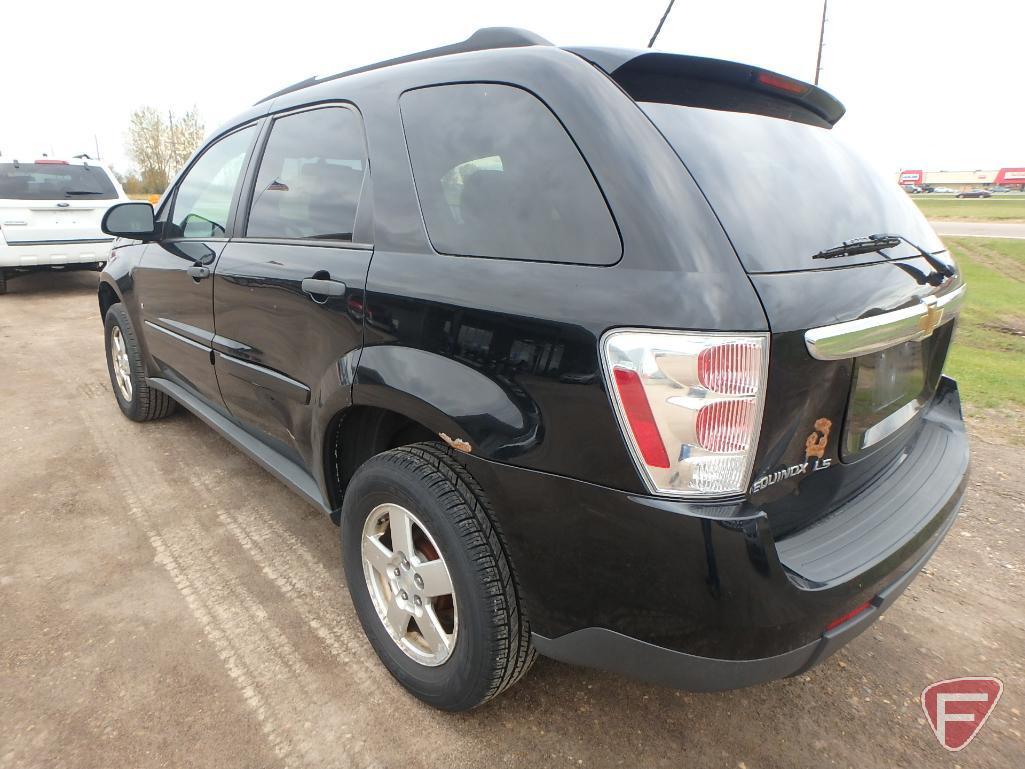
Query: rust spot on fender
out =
(457, 443)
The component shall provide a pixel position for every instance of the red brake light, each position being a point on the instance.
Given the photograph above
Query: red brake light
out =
(724, 426)
(730, 369)
(849, 615)
(50, 162)
(781, 83)
(639, 416)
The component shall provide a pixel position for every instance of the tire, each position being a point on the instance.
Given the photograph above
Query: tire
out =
(489, 636)
(3, 281)
(137, 400)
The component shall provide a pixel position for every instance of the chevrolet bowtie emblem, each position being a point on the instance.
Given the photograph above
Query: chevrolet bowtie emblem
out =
(933, 316)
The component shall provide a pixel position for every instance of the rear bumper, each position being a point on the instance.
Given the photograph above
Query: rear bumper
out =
(609, 650)
(702, 596)
(54, 253)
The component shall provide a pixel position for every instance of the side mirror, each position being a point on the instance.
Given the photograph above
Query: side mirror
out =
(130, 220)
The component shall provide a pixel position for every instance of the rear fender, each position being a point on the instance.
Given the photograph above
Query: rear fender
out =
(495, 417)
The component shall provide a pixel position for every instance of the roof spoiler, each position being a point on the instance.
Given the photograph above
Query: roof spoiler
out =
(714, 84)
(481, 40)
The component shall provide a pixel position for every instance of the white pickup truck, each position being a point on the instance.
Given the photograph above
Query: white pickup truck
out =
(50, 213)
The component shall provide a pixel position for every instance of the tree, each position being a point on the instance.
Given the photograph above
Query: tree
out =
(160, 147)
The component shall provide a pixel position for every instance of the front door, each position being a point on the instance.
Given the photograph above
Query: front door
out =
(174, 279)
(288, 293)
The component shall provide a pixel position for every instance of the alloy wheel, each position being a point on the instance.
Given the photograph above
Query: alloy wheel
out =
(410, 584)
(121, 365)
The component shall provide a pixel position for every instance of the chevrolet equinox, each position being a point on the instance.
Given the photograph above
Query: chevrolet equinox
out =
(620, 357)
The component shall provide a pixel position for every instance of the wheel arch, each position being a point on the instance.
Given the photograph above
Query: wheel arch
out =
(403, 395)
(107, 295)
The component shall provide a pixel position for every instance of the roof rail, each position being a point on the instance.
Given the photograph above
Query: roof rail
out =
(482, 40)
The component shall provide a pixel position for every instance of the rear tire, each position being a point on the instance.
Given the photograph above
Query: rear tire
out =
(3, 281)
(485, 646)
(137, 400)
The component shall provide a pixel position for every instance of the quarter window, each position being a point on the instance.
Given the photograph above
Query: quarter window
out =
(311, 177)
(497, 175)
(204, 196)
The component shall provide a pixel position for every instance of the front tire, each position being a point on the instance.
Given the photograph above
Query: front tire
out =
(137, 400)
(430, 580)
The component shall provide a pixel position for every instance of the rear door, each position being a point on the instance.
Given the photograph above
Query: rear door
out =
(289, 291)
(53, 202)
(173, 281)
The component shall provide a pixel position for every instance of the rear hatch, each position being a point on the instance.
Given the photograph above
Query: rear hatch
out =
(860, 327)
(53, 202)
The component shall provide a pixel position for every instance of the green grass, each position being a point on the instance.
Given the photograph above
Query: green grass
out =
(988, 356)
(995, 209)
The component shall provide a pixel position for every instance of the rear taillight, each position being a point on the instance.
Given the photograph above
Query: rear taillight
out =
(690, 406)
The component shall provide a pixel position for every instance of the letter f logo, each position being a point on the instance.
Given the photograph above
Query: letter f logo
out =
(957, 708)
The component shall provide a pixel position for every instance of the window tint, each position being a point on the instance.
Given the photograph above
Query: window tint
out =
(497, 175)
(310, 177)
(204, 196)
(54, 181)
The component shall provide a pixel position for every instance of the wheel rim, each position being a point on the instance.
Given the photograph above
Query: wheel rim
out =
(410, 584)
(121, 366)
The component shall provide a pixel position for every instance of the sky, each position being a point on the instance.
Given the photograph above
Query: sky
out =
(932, 84)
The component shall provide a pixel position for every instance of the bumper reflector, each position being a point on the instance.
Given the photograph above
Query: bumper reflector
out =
(849, 615)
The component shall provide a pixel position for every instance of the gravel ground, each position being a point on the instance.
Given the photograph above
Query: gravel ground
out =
(164, 602)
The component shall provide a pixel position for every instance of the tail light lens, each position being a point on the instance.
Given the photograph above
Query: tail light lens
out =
(690, 406)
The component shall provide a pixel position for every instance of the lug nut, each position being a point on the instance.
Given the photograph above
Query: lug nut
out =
(418, 600)
(405, 597)
(396, 572)
(418, 581)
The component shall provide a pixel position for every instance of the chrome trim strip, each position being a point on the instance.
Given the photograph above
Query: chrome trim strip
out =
(868, 335)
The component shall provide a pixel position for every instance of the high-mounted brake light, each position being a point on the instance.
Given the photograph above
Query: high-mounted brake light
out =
(781, 83)
(51, 162)
(690, 406)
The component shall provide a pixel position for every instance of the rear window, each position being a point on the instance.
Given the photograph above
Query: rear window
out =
(54, 181)
(785, 191)
(497, 175)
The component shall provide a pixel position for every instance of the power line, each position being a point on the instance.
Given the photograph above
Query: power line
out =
(822, 37)
(660, 23)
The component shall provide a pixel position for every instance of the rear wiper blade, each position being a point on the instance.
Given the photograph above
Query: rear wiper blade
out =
(879, 242)
(82, 192)
(859, 246)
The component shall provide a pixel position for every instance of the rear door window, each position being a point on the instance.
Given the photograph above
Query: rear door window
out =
(203, 200)
(311, 177)
(498, 176)
(54, 181)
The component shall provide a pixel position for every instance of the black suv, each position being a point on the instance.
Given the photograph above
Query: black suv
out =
(616, 356)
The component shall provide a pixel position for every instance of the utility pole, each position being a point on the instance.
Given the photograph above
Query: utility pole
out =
(660, 23)
(822, 36)
(96, 141)
(172, 164)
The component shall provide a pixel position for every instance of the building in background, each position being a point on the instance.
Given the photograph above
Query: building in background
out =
(1014, 178)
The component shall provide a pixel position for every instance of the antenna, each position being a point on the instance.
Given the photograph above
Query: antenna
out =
(822, 36)
(660, 23)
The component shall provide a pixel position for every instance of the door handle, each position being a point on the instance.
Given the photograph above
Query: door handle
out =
(319, 287)
(197, 272)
